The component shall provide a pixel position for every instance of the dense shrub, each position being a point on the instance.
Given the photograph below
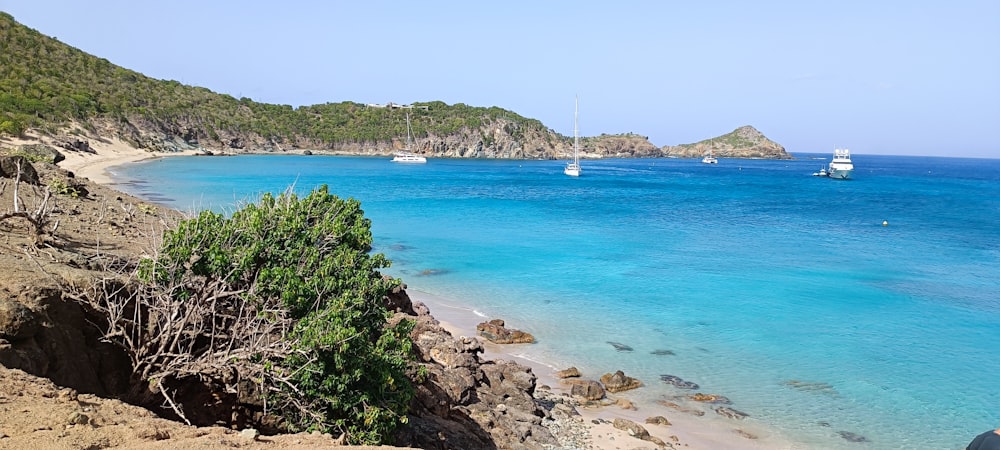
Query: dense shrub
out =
(306, 261)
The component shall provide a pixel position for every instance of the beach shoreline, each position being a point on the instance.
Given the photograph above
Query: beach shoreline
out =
(685, 431)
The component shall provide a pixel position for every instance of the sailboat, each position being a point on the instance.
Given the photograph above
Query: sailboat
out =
(573, 169)
(406, 155)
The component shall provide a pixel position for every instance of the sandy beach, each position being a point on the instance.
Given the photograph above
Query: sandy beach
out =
(686, 430)
(108, 152)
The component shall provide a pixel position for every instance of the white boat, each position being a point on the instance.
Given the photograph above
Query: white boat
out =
(821, 173)
(406, 155)
(709, 159)
(841, 166)
(573, 169)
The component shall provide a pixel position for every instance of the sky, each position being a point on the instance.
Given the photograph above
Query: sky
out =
(909, 77)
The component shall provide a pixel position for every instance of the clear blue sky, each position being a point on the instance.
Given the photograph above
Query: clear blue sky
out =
(908, 77)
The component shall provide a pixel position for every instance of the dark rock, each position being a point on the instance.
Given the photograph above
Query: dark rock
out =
(662, 352)
(620, 347)
(588, 389)
(658, 420)
(17, 321)
(462, 402)
(9, 169)
(852, 437)
(678, 382)
(41, 152)
(731, 413)
(76, 145)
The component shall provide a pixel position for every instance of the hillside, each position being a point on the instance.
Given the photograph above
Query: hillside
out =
(69, 95)
(47, 85)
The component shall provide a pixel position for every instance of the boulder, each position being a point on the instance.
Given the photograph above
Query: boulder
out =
(41, 152)
(572, 372)
(495, 332)
(658, 420)
(76, 145)
(618, 382)
(9, 169)
(588, 389)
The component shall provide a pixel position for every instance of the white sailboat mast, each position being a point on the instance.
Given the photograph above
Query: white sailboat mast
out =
(576, 131)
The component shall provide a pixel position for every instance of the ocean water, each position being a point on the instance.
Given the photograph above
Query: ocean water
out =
(782, 291)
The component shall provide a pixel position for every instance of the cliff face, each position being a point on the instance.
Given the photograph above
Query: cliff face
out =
(743, 142)
(495, 139)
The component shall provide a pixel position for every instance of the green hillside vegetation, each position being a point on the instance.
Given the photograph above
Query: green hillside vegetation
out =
(45, 84)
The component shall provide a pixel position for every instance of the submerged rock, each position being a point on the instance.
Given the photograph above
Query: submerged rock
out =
(620, 347)
(678, 382)
(730, 412)
(710, 398)
(669, 404)
(852, 437)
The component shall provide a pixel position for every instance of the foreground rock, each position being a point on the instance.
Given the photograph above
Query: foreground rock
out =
(464, 402)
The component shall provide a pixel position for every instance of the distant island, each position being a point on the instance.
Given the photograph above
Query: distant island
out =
(69, 98)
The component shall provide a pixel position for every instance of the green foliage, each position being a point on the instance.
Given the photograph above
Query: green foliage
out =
(310, 257)
(45, 83)
(60, 187)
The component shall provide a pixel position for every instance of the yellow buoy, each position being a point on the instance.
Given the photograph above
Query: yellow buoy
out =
(885, 223)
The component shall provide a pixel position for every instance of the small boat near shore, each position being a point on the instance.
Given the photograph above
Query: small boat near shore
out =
(573, 169)
(709, 159)
(407, 155)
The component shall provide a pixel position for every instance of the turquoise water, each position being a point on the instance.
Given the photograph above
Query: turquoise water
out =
(752, 273)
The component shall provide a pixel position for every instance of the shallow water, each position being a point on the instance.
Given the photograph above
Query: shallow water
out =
(779, 290)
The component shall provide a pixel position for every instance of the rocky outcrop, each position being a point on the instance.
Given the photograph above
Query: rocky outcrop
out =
(462, 401)
(743, 142)
(495, 332)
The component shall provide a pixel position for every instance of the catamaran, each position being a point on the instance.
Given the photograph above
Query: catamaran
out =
(573, 169)
(407, 155)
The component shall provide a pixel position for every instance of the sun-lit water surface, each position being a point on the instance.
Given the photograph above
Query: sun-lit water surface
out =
(777, 289)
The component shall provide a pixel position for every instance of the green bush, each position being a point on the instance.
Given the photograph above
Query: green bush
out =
(310, 258)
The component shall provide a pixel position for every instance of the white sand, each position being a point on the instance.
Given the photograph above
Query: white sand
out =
(108, 153)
